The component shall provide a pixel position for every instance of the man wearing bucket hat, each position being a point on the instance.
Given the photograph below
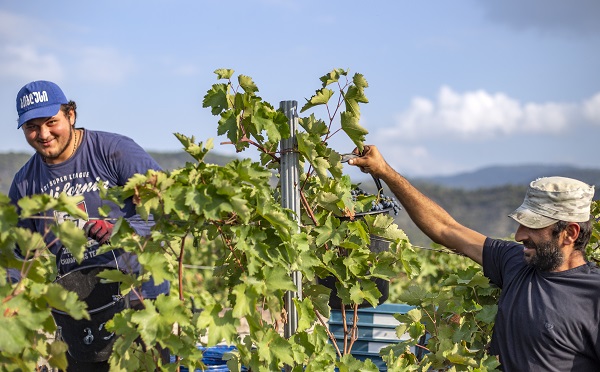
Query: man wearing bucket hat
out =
(77, 161)
(549, 310)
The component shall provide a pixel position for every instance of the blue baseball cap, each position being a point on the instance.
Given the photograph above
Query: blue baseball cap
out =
(39, 99)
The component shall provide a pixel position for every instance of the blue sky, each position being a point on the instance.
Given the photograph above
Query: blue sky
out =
(453, 85)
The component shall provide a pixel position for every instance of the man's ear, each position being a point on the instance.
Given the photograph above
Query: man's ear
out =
(571, 233)
(71, 117)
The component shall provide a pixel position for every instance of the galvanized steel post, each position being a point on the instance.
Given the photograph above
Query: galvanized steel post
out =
(290, 199)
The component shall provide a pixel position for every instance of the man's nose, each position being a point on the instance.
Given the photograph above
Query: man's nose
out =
(43, 132)
(521, 233)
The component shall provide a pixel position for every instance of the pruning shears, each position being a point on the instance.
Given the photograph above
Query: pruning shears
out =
(347, 157)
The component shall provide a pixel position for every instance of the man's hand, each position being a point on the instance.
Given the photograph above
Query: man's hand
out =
(371, 161)
(99, 230)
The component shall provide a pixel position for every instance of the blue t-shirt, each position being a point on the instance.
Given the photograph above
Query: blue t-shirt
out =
(101, 157)
(546, 321)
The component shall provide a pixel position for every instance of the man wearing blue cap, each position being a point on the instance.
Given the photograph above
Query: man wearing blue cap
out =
(549, 310)
(77, 161)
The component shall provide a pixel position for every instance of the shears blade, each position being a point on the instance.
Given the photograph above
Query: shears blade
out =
(347, 157)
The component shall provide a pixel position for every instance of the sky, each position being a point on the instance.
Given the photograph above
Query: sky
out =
(454, 86)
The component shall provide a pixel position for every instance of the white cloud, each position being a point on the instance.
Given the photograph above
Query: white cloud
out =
(28, 63)
(24, 53)
(480, 115)
(20, 53)
(591, 109)
(415, 161)
(12, 26)
(103, 65)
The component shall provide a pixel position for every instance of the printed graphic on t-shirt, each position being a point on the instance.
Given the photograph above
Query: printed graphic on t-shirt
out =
(72, 184)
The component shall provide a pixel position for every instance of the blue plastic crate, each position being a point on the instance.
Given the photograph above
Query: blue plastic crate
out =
(376, 329)
(212, 357)
(381, 315)
(367, 331)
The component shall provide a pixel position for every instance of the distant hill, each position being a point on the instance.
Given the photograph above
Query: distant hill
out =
(513, 175)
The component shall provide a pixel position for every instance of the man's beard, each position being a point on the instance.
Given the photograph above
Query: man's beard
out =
(548, 256)
(62, 150)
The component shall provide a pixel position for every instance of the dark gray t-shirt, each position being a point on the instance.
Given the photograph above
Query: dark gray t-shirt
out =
(546, 321)
(101, 156)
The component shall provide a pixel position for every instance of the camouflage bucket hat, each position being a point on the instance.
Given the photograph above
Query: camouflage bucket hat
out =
(551, 199)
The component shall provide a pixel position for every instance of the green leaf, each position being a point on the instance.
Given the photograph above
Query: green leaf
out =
(28, 241)
(306, 314)
(416, 330)
(13, 336)
(59, 298)
(57, 355)
(329, 233)
(348, 363)
(221, 326)
(265, 119)
(197, 150)
(272, 347)
(321, 166)
(277, 278)
(365, 290)
(461, 355)
(228, 124)
(148, 322)
(487, 314)
(314, 127)
(216, 98)
(70, 204)
(8, 216)
(246, 299)
(319, 297)
(333, 76)
(360, 81)
(224, 73)
(157, 264)
(172, 311)
(117, 276)
(353, 129)
(72, 237)
(321, 97)
(246, 83)
(415, 295)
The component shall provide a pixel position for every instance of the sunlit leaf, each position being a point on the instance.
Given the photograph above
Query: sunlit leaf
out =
(320, 97)
(224, 73)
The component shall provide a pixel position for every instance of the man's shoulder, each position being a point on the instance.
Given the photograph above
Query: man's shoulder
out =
(493, 243)
(109, 142)
(593, 268)
(33, 162)
(106, 136)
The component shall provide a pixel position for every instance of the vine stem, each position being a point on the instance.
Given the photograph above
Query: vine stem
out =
(307, 208)
(354, 332)
(344, 321)
(331, 336)
(180, 269)
(231, 249)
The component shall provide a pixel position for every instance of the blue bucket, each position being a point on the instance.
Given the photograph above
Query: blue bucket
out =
(212, 358)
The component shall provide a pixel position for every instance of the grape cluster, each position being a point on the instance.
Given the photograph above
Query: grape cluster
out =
(382, 202)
